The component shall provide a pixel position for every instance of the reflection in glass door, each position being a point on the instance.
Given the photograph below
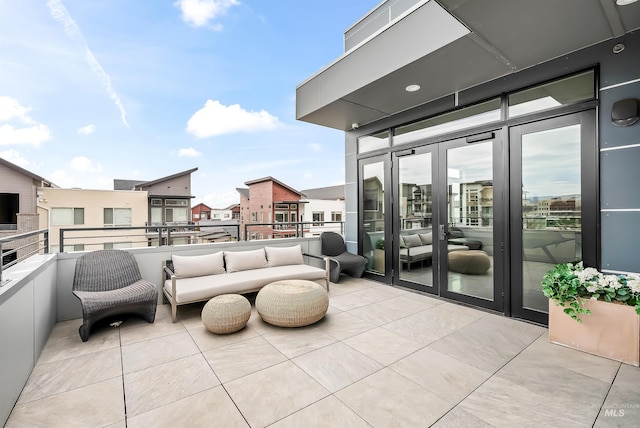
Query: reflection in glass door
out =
(414, 252)
(550, 189)
(468, 267)
(373, 219)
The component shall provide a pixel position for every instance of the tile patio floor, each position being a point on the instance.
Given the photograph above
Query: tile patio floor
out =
(382, 357)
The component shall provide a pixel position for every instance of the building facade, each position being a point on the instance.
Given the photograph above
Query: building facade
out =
(507, 130)
(325, 208)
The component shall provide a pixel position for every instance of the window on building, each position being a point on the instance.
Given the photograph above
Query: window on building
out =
(282, 206)
(67, 216)
(67, 248)
(117, 217)
(116, 245)
(282, 217)
(227, 215)
(254, 216)
(216, 215)
(176, 202)
(318, 218)
(156, 202)
(196, 215)
(336, 215)
(156, 215)
(176, 215)
(9, 209)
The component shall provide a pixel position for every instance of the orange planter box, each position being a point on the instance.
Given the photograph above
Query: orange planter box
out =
(610, 331)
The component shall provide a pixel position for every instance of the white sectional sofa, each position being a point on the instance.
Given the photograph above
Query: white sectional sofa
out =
(418, 247)
(190, 279)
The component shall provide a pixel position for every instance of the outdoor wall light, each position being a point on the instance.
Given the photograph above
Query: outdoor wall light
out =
(625, 2)
(625, 112)
(355, 125)
(412, 88)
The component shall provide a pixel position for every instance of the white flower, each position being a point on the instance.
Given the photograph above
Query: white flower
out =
(588, 274)
(593, 288)
(609, 281)
(634, 285)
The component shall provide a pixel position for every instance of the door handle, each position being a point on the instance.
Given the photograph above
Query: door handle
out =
(442, 232)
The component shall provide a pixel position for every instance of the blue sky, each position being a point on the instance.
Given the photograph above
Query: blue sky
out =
(92, 90)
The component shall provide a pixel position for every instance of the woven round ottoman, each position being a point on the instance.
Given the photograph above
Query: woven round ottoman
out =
(472, 262)
(292, 303)
(226, 313)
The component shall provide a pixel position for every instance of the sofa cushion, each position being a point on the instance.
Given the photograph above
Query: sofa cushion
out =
(237, 261)
(190, 266)
(412, 241)
(284, 256)
(426, 238)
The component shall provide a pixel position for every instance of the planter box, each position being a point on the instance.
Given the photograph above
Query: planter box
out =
(611, 331)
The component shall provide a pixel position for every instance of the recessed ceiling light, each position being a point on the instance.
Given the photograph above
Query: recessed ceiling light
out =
(412, 88)
(625, 2)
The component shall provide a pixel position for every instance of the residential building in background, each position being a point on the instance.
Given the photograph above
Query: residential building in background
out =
(200, 212)
(18, 205)
(325, 207)
(169, 204)
(267, 200)
(86, 208)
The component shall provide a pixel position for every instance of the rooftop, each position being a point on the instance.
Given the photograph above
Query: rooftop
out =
(383, 356)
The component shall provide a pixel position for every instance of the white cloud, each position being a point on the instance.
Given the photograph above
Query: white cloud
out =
(14, 157)
(60, 13)
(87, 130)
(316, 147)
(200, 12)
(217, 119)
(11, 108)
(221, 199)
(84, 164)
(308, 176)
(189, 153)
(34, 135)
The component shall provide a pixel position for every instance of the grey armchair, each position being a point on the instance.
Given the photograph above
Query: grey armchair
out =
(108, 282)
(334, 248)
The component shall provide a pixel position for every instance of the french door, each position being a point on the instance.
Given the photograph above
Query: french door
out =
(437, 232)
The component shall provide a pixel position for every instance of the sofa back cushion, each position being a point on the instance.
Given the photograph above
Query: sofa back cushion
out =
(190, 266)
(426, 238)
(237, 261)
(412, 241)
(284, 256)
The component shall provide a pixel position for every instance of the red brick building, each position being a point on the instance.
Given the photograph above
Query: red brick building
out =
(200, 212)
(268, 200)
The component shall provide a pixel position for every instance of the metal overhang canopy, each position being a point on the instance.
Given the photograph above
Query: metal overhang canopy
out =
(449, 46)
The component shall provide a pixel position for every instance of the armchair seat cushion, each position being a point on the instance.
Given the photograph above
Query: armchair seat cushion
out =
(334, 248)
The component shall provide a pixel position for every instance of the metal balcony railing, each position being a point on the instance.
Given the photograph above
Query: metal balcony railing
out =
(23, 246)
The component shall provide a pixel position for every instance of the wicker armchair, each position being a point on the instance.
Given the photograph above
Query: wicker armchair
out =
(334, 248)
(108, 282)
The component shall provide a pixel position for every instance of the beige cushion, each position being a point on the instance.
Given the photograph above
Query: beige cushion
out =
(237, 261)
(284, 256)
(190, 266)
(412, 241)
(426, 238)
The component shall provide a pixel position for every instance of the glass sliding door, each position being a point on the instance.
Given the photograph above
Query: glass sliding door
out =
(373, 206)
(553, 184)
(469, 211)
(414, 252)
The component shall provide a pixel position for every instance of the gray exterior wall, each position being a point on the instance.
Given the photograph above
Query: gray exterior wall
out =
(12, 181)
(619, 147)
(178, 186)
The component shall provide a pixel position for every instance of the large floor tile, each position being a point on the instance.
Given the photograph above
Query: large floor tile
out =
(243, 358)
(328, 412)
(342, 325)
(488, 343)
(68, 346)
(431, 324)
(209, 408)
(446, 377)
(142, 355)
(207, 340)
(622, 406)
(337, 366)
(274, 393)
(458, 418)
(504, 404)
(383, 345)
(387, 399)
(293, 342)
(348, 301)
(163, 384)
(98, 404)
(140, 331)
(71, 373)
